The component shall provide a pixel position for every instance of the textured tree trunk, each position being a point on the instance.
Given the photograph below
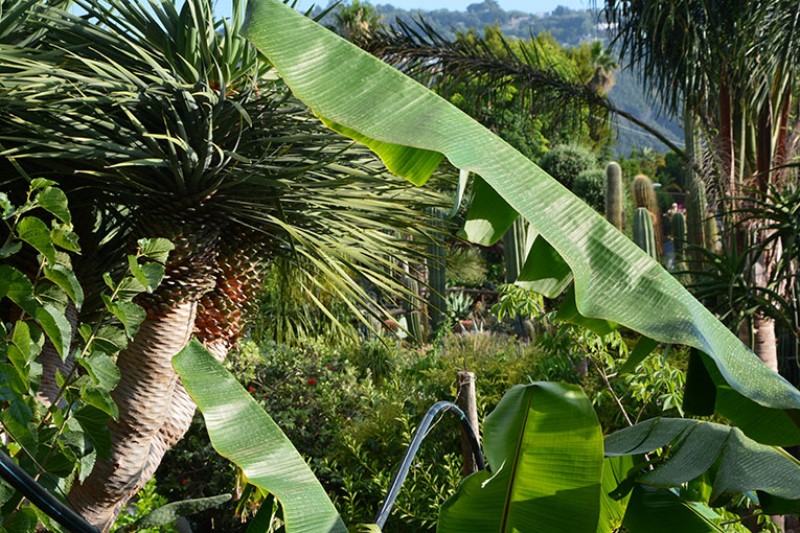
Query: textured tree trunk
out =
(144, 395)
(765, 345)
(181, 413)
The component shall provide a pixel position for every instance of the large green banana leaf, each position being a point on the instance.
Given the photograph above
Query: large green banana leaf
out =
(241, 431)
(545, 447)
(411, 129)
(734, 463)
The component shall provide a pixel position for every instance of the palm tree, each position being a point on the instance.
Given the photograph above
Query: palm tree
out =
(164, 122)
(732, 69)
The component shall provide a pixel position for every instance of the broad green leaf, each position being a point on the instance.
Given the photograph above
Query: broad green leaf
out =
(55, 201)
(156, 249)
(128, 313)
(489, 216)
(55, 326)
(109, 339)
(95, 425)
(544, 445)
(36, 233)
(169, 513)
(265, 455)
(41, 183)
(700, 393)
(739, 463)
(614, 280)
(612, 511)
(102, 368)
(18, 288)
(6, 207)
(643, 348)
(148, 274)
(661, 511)
(65, 239)
(10, 248)
(544, 270)
(99, 398)
(65, 278)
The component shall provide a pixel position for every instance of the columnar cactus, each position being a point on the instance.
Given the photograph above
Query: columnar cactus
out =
(437, 277)
(696, 209)
(712, 235)
(644, 195)
(614, 196)
(644, 231)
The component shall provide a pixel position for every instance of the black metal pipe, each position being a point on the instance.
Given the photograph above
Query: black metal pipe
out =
(416, 441)
(38, 496)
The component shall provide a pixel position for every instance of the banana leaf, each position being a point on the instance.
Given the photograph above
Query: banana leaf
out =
(734, 463)
(545, 447)
(412, 129)
(242, 432)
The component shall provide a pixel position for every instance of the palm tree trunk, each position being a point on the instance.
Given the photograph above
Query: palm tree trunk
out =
(181, 413)
(765, 344)
(143, 396)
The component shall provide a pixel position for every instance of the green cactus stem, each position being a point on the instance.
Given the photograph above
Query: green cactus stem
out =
(614, 196)
(644, 231)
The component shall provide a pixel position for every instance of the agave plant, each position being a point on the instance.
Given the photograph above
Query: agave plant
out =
(159, 120)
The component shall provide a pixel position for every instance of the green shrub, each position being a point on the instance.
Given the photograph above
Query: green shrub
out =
(589, 186)
(566, 161)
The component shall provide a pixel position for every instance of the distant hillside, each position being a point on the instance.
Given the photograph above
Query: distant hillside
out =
(569, 27)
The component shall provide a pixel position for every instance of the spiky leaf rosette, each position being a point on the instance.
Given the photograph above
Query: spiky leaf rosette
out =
(166, 123)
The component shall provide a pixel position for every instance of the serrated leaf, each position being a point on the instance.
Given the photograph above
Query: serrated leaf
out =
(65, 278)
(10, 248)
(148, 274)
(7, 209)
(21, 521)
(103, 369)
(65, 239)
(55, 201)
(21, 338)
(129, 314)
(109, 339)
(101, 399)
(55, 326)
(95, 424)
(156, 249)
(18, 288)
(36, 233)
(41, 183)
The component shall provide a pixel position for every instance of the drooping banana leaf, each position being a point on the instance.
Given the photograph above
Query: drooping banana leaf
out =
(652, 510)
(411, 128)
(734, 463)
(242, 432)
(544, 445)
